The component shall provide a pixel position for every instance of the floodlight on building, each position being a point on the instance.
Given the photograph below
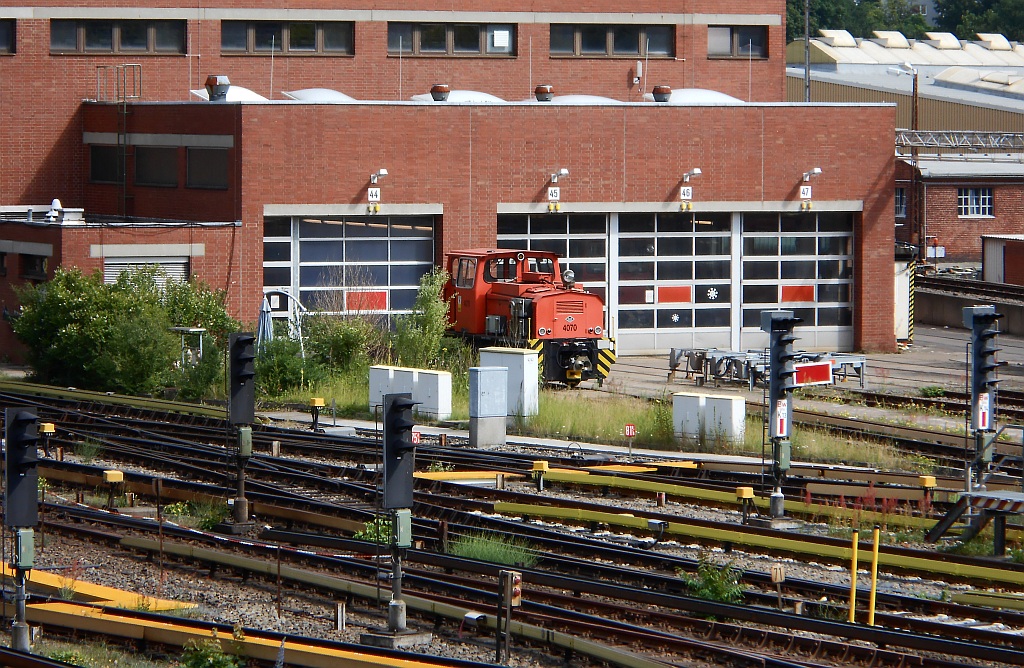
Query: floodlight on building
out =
(814, 171)
(378, 175)
(693, 172)
(560, 173)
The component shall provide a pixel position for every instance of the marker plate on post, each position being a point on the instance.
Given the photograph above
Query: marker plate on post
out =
(629, 431)
(813, 373)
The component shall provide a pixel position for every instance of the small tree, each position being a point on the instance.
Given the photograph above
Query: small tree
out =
(418, 334)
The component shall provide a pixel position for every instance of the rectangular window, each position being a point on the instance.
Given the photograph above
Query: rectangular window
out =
(3, 264)
(6, 35)
(451, 39)
(156, 166)
(125, 36)
(901, 202)
(737, 41)
(974, 202)
(106, 164)
(207, 168)
(33, 266)
(627, 41)
(294, 38)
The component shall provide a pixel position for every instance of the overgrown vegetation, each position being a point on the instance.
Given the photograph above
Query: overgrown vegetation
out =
(198, 514)
(207, 653)
(81, 332)
(713, 582)
(377, 530)
(932, 391)
(495, 548)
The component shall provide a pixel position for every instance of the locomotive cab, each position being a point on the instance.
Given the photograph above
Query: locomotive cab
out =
(522, 298)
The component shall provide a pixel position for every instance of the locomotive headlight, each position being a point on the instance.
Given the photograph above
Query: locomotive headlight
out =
(569, 278)
(598, 330)
(541, 331)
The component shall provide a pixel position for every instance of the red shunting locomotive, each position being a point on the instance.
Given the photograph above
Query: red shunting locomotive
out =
(521, 298)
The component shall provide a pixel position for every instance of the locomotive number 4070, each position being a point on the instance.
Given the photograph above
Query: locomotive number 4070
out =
(569, 327)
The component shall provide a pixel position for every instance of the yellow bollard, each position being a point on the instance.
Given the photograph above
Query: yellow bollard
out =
(874, 577)
(854, 542)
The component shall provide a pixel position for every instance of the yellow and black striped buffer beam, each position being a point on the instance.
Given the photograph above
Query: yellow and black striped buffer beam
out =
(605, 359)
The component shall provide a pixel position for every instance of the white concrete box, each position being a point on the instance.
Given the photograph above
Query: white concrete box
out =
(725, 418)
(488, 392)
(687, 414)
(433, 389)
(523, 377)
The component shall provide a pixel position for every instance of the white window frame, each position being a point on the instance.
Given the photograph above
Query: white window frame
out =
(975, 203)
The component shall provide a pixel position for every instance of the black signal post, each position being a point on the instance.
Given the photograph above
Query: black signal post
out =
(399, 465)
(983, 321)
(241, 415)
(781, 380)
(21, 506)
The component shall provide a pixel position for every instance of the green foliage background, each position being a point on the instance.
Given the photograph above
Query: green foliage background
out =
(963, 18)
(81, 332)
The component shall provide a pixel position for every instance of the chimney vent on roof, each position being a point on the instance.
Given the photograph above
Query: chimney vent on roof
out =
(217, 87)
(662, 93)
(544, 92)
(439, 92)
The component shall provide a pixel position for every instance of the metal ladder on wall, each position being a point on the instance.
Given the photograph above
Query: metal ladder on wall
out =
(119, 84)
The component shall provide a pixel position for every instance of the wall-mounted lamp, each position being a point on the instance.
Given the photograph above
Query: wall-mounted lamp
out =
(554, 207)
(562, 172)
(373, 208)
(693, 172)
(379, 174)
(813, 172)
(806, 205)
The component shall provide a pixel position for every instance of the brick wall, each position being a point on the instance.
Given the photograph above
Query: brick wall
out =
(40, 93)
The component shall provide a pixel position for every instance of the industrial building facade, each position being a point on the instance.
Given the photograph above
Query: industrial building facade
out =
(688, 216)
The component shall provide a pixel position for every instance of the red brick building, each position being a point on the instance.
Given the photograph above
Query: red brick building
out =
(276, 195)
(962, 199)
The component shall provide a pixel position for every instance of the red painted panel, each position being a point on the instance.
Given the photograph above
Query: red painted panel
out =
(376, 300)
(675, 293)
(813, 373)
(797, 293)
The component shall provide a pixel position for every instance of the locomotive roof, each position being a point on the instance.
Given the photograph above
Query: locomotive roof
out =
(499, 251)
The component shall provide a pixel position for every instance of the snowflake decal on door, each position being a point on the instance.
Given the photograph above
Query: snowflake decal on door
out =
(675, 317)
(713, 294)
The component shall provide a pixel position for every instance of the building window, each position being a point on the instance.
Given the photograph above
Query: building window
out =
(33, 267)
(587, 41)
(974, 202)
(6, 35)
(106, 164)
(737, 42)
(207, 168)
(3, 264)
(156, 166)
(901, 202)
(451, 39)
(284, 37)
(99, 36)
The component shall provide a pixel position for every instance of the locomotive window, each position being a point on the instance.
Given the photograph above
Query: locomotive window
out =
(542, 265)
(466, 274)
(500, 270)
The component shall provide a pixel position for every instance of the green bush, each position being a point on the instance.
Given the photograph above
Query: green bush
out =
(207, 654)
(714, 583)
(81, 332)
(495, 548)
(280, 367)
(377, 530)
(418, 334)
(343, 343)
(196, 382)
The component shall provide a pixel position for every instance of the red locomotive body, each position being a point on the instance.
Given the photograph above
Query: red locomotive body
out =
(521, 298)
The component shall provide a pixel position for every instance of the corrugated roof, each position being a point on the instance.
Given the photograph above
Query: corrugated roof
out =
(977, 166)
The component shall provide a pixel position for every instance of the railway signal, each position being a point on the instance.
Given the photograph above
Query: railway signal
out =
(399, 450)
(22, 478)
(242, 370)
(983, 323)
(21, 507)
(781, 381)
